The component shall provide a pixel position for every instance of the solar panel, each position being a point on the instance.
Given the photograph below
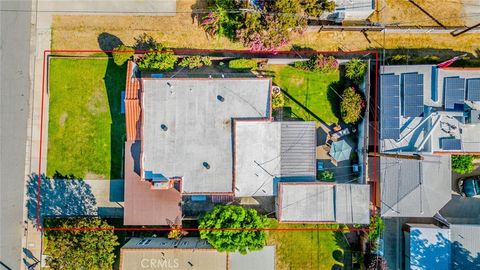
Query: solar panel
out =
(473, 89)
(412, 94)
(390, 106)
(454, 92)
(451, 144)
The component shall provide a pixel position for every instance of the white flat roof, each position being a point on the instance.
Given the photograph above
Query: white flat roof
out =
(198, 115)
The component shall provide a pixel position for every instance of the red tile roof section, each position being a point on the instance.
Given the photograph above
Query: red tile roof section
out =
(132, 104)
(144, 206)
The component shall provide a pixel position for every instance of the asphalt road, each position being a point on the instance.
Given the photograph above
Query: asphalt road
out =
(15, 20)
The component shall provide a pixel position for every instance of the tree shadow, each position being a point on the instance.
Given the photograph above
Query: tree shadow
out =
(108, 42)
(59, 198)
(425, 253)
(334, 93)
(114, 79)
(196, 15)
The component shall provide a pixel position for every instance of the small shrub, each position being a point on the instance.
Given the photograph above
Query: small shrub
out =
(399, 59)
(318, 63)
(375, 230)
(122, 54)
(195, 61)
(242, 64)
(327, 176)
(351, 106)
(462, 163)
(278, 100)
(158, 61)
(355, 70)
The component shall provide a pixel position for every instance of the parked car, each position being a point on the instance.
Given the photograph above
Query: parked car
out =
(469, 186)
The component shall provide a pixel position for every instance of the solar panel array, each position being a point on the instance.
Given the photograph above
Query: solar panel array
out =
(412, 94)
(473, 89)
(451, 144)
(454, 92)
(390, 106)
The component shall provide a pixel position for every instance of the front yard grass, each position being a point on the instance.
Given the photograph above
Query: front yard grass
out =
(301, 249)
(309, 88)
(86, 128)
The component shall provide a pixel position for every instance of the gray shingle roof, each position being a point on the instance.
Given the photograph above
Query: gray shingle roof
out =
(414, 188)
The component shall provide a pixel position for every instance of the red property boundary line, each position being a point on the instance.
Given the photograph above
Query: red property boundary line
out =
(47, 53)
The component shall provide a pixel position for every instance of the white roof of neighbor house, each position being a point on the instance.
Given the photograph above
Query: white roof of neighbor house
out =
(306, 202)
(352, 203)
(355, 9)
(190, 253)
(415, 188)
(198, 115)
(321, 202)
(267, 152)
(263, 259)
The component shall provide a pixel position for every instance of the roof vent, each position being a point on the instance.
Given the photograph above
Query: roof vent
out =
(206, 165)
(169, 85)
(220, 98)
(163, 127)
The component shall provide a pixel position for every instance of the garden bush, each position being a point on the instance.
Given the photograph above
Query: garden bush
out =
(327, 176)
(351, 106)
(318, 63)
(195, 61)
(355, 70)
(278, 100)
(159, 60)
(242, 64)
(122, 54)
(462, 163)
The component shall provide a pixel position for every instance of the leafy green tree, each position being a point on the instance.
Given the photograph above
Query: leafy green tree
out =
(158, 60)
(355, 70)
(77, 249)
(122, 54)
(234, 217)
(462, 163)
(195, 61)
(376, 228)
(315, 8)
(351, 106)
(221, 21)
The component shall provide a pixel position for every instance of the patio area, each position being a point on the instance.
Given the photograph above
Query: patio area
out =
(336, 152)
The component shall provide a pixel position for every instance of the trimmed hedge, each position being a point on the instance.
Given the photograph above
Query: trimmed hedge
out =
(242, 64)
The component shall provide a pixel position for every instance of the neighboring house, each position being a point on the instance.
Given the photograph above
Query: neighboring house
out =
(212, 139)
(190, 253)
(428, 109)
(351, 10)
(431, 247)
(414, 188)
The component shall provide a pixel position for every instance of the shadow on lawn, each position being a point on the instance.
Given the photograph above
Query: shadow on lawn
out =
(114, 83)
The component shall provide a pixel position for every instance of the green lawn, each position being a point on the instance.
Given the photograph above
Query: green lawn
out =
(86, 129)
(312, 89)
(306, 250)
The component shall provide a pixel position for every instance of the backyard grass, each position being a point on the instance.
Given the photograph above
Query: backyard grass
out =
(86, 128)
(301, 249)
(311, 89)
